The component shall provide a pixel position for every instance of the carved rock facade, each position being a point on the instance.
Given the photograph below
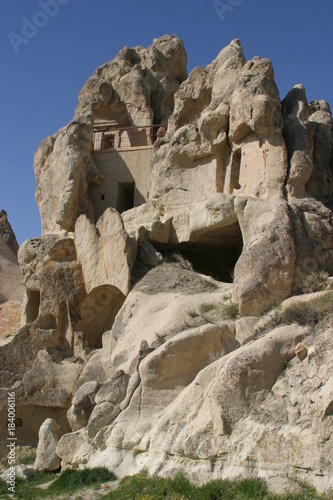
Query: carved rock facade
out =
(140, 358)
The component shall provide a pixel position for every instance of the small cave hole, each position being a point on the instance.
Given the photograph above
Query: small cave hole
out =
(33, 305)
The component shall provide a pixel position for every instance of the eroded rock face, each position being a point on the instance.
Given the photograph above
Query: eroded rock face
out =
(171, 368)
(48, 438)
(233, 156)
(7, 233)
(195, 396)
(11, 287)
(139, 84)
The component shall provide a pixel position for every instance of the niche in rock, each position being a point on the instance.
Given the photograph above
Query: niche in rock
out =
(98, 312)
(32, 305)
(215, 253)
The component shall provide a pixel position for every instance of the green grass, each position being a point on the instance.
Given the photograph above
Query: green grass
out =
(142, 487)
(67, 483)
(28, 459)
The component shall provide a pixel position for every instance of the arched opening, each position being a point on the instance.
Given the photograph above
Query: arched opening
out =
(98, 312)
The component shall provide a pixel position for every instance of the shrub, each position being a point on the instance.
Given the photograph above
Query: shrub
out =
(315, 282)
(301, 314)
(220, 311)
(230, 310)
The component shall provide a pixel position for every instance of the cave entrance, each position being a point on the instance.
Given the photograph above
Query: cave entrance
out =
(125, 196)
(214, 254)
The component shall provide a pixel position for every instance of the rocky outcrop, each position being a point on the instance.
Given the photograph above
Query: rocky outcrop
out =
(48, 438)
(11, 287)
(232, 155)
(200, 402)
(7, 233)
(143, 337)
(139, 85)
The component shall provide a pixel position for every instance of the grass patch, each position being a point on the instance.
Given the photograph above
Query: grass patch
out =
(73, 480)
(309, 313)
(67, 483)
(301, 314)
(221, 311)
(28, 459)
(143, 487)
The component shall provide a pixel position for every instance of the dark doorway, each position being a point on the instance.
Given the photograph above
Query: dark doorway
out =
(125, 196)
(215, 254)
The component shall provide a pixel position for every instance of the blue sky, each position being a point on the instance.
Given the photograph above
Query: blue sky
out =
(44, 67)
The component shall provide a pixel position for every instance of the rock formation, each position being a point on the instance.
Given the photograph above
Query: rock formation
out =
(11, 287)
(143, 336)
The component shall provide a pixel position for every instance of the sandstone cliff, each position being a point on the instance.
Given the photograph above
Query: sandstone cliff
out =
(144, 338)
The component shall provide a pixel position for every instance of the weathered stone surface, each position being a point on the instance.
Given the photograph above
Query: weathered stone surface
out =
(245, 328)
(48, 438)
(176, 363)
(83, 403)
(114, 389)
(138, 84)
(148, 255)
(11, 287)
(186, 374)
(325, 398)
(69, 444)
(101, 416)
(105, 251)
(53, 281)
(7, 233)
(50, 382)
(85, 396)
(263, 274)
(10, 319)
